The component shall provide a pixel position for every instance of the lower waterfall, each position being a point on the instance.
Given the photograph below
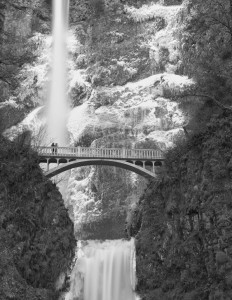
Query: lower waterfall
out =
(104, 271)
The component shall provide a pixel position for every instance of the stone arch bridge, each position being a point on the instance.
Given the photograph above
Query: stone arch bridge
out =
(145, 162)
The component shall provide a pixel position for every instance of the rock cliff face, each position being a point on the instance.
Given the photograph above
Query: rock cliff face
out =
(124, 68)
(36, 235)
(129, 65)
(183, 223)
(19, 21)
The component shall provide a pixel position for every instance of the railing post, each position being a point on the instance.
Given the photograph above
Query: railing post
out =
(119, 153)
(78, 151)
(123, 153)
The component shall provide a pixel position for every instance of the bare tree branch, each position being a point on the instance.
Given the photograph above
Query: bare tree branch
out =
(219, 104)
(221, 22)
(5, 80)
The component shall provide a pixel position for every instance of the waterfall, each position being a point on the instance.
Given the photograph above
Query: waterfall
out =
(104, 271)
(58, 102)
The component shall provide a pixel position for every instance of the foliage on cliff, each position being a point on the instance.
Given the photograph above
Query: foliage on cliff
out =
(36, 234)
(183, 223)
(206, 40)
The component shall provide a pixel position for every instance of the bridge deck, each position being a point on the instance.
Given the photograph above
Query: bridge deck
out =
(107, 153)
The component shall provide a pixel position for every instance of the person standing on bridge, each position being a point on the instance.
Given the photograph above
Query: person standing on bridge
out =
(56, 146)
(53, 148)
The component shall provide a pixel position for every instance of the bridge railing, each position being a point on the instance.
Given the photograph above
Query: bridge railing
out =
(100, 152)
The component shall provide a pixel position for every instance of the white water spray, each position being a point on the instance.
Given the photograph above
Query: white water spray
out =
(105, 271)
(58, 102)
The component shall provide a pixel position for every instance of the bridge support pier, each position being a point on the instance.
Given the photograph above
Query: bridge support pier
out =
(47, 164)
(153, 166)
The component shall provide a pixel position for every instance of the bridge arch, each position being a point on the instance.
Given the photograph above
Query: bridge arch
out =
(106, 162)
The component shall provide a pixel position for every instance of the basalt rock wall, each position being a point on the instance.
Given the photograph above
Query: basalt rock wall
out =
(183, 223)
(37, 241)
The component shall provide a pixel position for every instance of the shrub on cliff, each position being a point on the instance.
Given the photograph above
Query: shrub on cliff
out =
(98, 6)
(206, 46)
(33, 221)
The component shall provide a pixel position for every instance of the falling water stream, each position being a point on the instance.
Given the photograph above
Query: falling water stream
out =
(104, 271)
(58, 102)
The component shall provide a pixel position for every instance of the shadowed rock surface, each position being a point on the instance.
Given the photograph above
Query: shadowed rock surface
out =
(183, 224)
(36, 234)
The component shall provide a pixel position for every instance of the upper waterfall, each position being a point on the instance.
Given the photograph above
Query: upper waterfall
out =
(57, 101)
